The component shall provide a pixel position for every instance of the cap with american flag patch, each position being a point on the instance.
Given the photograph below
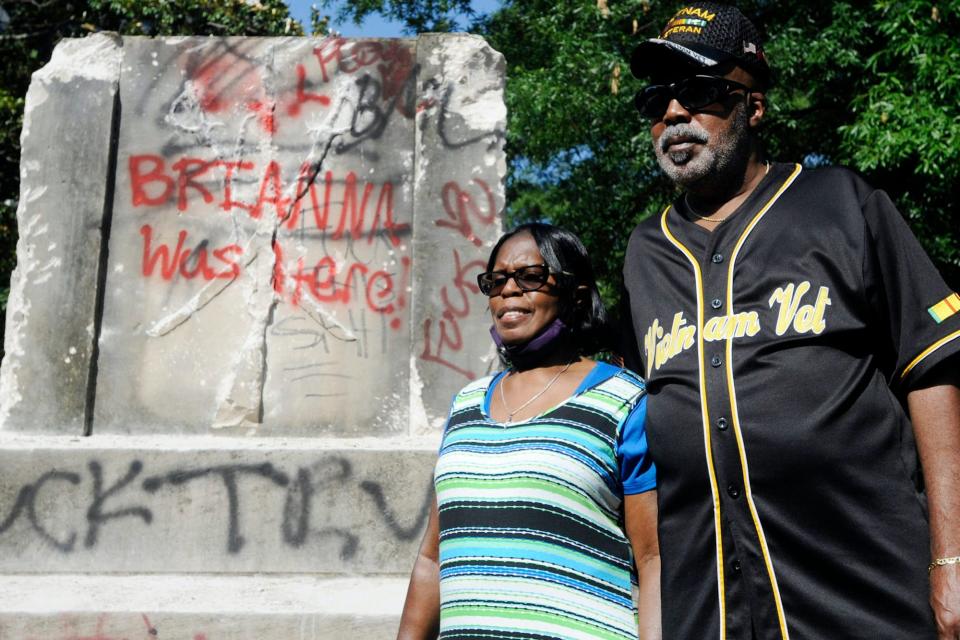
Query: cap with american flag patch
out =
(702, 35)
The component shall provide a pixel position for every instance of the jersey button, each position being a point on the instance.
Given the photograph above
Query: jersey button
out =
(717, 258)
(716, 303)
(736, 566)
(733, 491)
(722, 424)
(716, 361)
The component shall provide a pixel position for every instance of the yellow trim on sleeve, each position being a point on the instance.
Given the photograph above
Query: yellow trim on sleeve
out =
(926, 352)
(706, 421)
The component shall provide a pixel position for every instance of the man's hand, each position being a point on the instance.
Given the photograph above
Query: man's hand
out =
(945, 600)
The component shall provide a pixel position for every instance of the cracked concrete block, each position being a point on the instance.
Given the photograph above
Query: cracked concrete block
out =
(260, 242)
(64, 189)
(178, 607)
(459, 199)
(167, 504)
(294, 229)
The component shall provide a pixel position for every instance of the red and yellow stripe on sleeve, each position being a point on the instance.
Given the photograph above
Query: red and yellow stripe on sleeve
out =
(945, 308)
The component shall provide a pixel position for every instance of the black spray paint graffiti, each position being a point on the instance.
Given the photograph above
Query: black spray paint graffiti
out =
(369, 112)
(308, 484)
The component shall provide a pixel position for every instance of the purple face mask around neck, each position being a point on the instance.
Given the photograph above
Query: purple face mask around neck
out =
(528, 352)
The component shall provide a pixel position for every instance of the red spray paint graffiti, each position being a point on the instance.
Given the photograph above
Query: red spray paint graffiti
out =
(366, 208)
(178, 262)
(459, 205)
(331, 282)
(442, 337)
(70, 631)
(441, 345)
(232, 83)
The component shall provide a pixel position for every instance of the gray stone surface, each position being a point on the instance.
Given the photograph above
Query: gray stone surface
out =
(289, 254)
(180, 607)
(264, 346)
(64, 187)
(285, 166)
(128, 504)
(459, 200)
(294, 232)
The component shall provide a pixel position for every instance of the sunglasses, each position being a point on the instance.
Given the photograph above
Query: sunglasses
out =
(529, 278)
(695, 92)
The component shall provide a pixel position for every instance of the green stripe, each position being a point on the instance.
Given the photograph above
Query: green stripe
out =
(530, 616)
(527, 431)
(514, 483)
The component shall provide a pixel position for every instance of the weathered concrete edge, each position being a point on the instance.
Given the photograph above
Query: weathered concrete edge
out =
(428, 413)
(43, 352)
(214, 443)
(197, 593)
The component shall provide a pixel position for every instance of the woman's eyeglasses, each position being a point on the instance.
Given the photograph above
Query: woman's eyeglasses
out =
(695, 92)
(529, 278)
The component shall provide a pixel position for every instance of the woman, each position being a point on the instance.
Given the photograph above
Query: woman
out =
(543, 484)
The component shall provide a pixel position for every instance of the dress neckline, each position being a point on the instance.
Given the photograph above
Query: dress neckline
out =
(600, 372)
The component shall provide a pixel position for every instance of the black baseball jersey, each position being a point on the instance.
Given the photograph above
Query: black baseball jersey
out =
(777, 351)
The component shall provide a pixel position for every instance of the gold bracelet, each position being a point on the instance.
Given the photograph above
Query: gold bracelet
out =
(939, 562)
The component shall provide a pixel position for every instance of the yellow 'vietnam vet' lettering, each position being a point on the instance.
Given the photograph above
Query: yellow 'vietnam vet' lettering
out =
(658, 348)
(737, 325)
(680, 29)
(695, 11)
(804, 318)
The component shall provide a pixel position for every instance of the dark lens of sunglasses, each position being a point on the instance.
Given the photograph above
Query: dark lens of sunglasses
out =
(491, 282)
(532, 278)
(652, 102)
(697, 93)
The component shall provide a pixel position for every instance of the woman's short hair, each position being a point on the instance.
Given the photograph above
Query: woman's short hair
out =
(563, 252)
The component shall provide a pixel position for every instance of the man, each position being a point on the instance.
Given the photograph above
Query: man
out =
(800, 350)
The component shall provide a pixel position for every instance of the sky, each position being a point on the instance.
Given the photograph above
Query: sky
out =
(373, 27)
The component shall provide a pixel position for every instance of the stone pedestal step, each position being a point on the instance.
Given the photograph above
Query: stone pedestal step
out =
(136, 505)
(198, 607)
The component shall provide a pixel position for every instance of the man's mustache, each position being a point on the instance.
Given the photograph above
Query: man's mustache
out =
(682, 131)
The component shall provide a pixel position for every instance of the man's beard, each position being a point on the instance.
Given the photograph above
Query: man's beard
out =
(713, 165)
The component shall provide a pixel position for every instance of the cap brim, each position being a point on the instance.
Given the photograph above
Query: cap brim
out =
(656, 56)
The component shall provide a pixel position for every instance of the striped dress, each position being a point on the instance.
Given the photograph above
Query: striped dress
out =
(532, 545)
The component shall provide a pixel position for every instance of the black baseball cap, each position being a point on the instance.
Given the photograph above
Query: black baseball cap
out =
(699, 36)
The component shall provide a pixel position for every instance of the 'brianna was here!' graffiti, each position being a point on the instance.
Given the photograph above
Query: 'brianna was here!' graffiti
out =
(247, 270)
(349, 189)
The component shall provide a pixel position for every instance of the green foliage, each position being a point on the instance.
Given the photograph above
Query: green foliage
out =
(202, 17)
(579, 155)
(906, 129)
(871, 85)
(419, 16)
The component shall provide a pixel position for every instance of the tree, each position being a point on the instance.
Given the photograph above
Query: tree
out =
(30, 29)
(418, 17)
(867, 84)
(870, 84)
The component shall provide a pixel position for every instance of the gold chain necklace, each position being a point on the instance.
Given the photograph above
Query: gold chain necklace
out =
(686, 201)
(503, 397)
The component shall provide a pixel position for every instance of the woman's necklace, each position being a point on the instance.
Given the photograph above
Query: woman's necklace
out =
(686, 201)
(503, 396)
